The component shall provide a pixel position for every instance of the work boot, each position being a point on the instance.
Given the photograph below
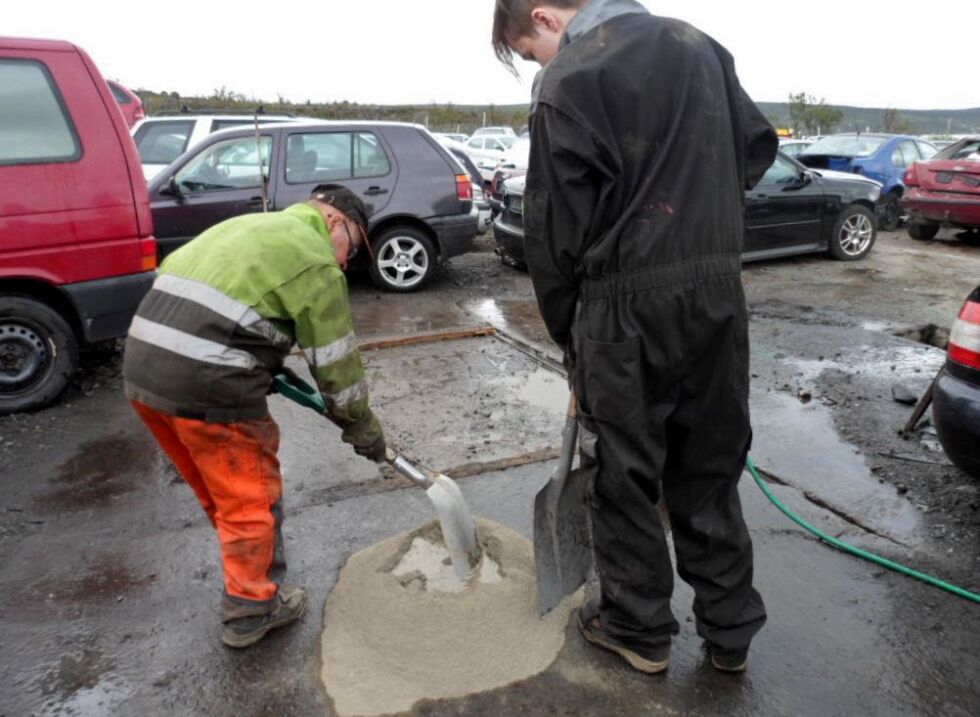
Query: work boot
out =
(650, 661)
(726, 660)
(244, 631)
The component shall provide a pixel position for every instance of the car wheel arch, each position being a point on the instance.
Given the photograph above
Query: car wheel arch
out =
(405, 220)
(47, 294)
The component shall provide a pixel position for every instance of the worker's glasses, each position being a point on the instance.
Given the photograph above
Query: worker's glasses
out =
(352, 247)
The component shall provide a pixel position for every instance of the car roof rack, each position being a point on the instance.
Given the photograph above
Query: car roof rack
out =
(185, 110)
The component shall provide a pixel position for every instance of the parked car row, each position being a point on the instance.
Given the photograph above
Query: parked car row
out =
(793, 210)
(945, 190)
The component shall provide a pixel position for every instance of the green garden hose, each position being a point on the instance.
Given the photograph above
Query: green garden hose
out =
(840, 545)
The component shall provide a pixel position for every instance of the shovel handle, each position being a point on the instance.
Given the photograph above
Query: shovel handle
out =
(572, 406)
(401, 464)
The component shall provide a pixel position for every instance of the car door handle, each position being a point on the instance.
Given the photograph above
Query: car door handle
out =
(375, 191)
(255, 202)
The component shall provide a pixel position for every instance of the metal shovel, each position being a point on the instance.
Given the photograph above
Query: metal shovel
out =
(455, 519)
(562, 548)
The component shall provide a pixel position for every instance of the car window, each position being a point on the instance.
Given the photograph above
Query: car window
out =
(966, 151)
(475, 143)
(162, 142)
(220, 124)
(370, 159)
(846, 145)
(231, 164)
(121, 97)
(318, 157)
(34, 124)
(927, 150)
(907, 154)
(782, 171)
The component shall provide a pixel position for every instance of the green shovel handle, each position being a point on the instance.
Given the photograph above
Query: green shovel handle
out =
(296, 389)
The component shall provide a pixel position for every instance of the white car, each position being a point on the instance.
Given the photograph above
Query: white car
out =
(161, 139)
(487, 152)
(452, 135)
(495, 132)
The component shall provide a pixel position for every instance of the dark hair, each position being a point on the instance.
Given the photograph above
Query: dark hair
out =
(512, 19)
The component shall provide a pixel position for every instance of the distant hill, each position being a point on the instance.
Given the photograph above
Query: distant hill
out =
(870, 118)
(466, 118)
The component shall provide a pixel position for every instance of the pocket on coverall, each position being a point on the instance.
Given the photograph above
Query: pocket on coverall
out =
(613, 379)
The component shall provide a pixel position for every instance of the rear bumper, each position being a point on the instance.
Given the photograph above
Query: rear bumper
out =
(455, 233)
(509, 240)
(106, 306)
(956, 413)
(943, 207)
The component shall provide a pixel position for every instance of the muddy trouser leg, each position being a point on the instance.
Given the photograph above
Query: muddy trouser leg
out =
(708, 437)
(630, 548)
(234, 470)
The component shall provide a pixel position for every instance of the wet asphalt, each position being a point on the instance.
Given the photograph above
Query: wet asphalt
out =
(110, 580)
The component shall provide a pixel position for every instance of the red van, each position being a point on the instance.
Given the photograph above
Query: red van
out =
(77, 251)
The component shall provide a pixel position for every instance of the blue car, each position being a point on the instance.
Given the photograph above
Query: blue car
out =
(881, 157)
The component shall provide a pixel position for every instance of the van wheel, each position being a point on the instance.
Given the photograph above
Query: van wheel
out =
(854, 233)
(38, 354)
(404, 259)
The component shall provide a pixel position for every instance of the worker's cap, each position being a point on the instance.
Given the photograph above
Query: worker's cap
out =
(344, 200)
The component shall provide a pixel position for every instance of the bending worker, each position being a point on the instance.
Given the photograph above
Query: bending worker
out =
(223, 313)
(642, 144)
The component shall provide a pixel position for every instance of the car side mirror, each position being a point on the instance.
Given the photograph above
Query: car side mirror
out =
(805, 179)
(171, 188)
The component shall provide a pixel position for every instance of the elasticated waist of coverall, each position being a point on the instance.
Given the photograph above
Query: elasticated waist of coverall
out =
(692, 271)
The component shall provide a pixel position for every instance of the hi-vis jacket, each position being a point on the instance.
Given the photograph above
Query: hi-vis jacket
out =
(226, 309)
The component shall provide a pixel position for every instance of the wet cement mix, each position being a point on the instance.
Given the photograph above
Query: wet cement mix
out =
(400, 628)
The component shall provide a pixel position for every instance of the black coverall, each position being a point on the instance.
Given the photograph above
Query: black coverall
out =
(642, 144)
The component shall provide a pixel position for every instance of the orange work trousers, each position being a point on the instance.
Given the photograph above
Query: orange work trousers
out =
(234, 471)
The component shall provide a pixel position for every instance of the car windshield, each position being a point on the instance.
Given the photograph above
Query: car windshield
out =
(505, 140)
(847, 145)
(965, 149)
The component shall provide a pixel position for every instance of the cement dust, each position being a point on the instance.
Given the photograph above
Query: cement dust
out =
(400, 628)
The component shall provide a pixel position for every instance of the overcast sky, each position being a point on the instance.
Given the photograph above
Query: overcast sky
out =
(851, 52)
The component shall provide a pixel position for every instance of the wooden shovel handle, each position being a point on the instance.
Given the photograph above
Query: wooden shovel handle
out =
(572, 406)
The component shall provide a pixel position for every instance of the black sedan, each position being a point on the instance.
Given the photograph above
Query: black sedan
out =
(793, 210)
(956, 397)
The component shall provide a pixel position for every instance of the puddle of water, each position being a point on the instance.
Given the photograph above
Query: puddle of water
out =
(894, 361)
(799, 444)
(519, 318)
(383, 317)
(541, 389)
(101, 471)
(107, 579)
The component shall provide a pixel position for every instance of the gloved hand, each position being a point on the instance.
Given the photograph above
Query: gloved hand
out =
(375, 451)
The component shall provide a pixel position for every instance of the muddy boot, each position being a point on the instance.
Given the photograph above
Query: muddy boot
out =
(728, 660)
(651, 661)
(244, 631)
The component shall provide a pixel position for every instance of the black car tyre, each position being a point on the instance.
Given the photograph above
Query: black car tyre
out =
(892, 216)
(404, 259)
(923, 232)
(38, 354)
(854, 233)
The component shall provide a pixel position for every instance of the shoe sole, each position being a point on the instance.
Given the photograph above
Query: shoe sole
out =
(641, 664)
(732, 670)
(238, 642)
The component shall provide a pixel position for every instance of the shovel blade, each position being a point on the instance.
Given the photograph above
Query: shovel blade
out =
(456, 522)
(562, 547)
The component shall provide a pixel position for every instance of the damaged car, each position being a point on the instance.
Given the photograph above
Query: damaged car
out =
(944, 191)
(793, 210)
(881, 157)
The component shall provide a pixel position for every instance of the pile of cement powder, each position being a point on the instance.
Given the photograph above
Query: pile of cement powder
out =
(399, 627)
